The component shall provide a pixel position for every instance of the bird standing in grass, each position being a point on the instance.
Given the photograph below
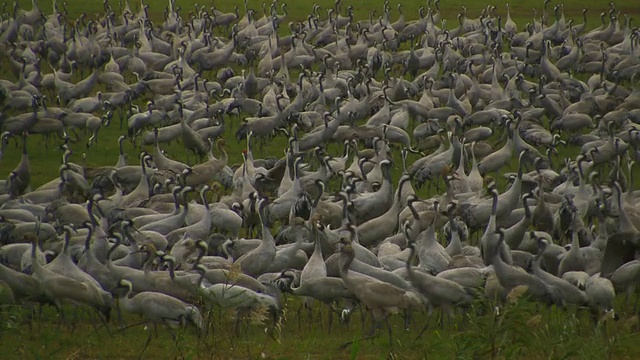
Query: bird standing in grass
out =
(380, 297)
(158, 308)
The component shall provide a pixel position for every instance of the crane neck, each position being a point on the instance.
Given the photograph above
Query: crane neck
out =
(346, 260)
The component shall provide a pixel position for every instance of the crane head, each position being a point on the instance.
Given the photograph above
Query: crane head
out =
(200, 269)
(171, 260)
(125, 284)
(346, 245)
(406, 228)
(68, 229)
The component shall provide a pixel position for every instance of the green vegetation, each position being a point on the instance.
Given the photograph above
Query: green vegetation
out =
(521, 330)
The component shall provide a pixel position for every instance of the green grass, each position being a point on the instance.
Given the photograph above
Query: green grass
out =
(521, 11)
(523, 330)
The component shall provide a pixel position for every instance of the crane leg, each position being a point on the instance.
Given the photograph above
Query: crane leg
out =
(75, 135)
(178, 348)
(362, 318)
(426, 325)
(298, 315)
(30, 316)
(330, 320)
(238, 325)
(75, 319)
(344, 346)
(390, 331)
(62, 316)
(375, 325)
(464, 318)
(594, 318)
(407, 319)
(125, 326)
(120, 319)
(146, 344)
(173, 334)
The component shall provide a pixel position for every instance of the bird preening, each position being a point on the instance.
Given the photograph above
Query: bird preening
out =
(428, 166)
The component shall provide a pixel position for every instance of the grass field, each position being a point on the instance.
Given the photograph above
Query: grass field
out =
(521, 330)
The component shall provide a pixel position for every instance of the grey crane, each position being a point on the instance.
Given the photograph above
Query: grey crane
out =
(379, 297)
(439, 292)
(601, 293)
(238, 297)
(511, 277)
(622, 244)
(61, 288)
(488, 239)
(568, 293)
(199, 230)
(224, 276)
(92, 266)
(542, 217)
(141, 192)
(164, 163)
(625, 279)
(515, 234)
(498, 159)
(23, 122)
(172, 222)
(327, 290)
(573, 260)
(371, 205)
(291, 256)
(135, 276)
(20, 182)
(257, 261)
(191, 139)
(208, 171)
(373, 231)
(158, 308)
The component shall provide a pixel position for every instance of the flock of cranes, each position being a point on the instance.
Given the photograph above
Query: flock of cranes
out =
(462, 102)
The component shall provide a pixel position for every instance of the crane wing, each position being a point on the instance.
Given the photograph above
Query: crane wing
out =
(380, 294)
(69, 285)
